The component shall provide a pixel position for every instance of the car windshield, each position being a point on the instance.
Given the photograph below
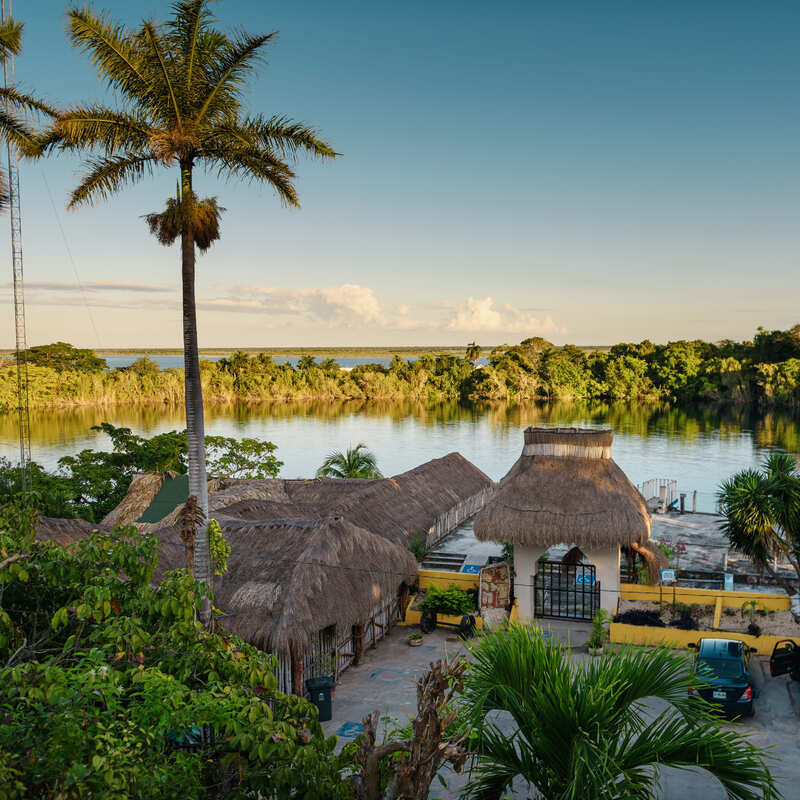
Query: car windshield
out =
(719, 668)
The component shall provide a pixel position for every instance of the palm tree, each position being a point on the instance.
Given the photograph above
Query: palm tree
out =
(762, 514)
(356, 462)
(583, 730)
(473, 352)
(14, 128)
(179, 88)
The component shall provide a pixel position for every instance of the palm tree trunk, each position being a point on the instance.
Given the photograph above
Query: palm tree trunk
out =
(195, 429)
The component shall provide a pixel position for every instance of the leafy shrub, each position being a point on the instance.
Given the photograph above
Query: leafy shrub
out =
(452, 600)
(638, 616)
(107, 673)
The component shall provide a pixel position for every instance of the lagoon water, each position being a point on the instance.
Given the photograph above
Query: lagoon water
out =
(697, 446)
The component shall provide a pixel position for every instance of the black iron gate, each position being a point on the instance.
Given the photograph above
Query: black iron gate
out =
(566, 590)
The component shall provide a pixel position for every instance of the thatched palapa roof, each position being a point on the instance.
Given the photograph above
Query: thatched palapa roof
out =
(396, 508)
(64, 531)
(288, 579)
(565, 488)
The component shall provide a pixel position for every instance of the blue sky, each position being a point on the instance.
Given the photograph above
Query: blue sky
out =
(590, 172)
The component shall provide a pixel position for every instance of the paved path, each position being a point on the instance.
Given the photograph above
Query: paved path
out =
(385, 682)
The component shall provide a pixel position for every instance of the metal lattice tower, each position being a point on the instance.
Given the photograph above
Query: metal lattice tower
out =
(19, 291)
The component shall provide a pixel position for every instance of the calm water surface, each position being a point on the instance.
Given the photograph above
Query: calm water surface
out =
(698, 446)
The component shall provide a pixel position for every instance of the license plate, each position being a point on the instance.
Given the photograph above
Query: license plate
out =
(720, 695)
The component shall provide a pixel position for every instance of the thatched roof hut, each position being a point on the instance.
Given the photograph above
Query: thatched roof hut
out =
(431, 499)
(565, 488)
(289, 579)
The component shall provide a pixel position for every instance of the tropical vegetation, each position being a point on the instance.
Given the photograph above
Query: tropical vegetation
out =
(764, 371)
(761, 512)
(92, 482)
(179, 89)
(110, 688)
(585, 730)
(355, 462)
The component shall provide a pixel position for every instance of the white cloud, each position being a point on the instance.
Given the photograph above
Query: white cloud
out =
(481, 315)
(347, 304)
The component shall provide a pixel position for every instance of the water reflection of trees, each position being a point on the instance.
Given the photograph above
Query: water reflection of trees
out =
(770, 429)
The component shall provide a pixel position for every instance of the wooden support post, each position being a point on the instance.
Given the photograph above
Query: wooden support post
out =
(694, 501)
(297, 671)
(358, 643)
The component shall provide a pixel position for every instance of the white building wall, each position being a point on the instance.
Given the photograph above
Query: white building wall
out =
(605, 560)
(525, 559)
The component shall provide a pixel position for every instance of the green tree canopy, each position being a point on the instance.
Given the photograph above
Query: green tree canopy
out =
(63, 356)
(109, 684)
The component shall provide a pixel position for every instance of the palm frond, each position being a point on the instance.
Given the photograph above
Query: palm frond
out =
(10, 38)
(108, 175)
(25, 102)
(581, 729)
(100, 127)
(186, 27)
(356, 462)
(111, 49)
(152, 37)
(255, 165)
(279, 134)
(15, 131)
(224, 81)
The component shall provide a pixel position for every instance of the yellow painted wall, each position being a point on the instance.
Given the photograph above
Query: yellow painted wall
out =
(441, 579)
(672, 637)
(655, 594)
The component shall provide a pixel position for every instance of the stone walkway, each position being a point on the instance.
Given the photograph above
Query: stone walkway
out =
(386, 682)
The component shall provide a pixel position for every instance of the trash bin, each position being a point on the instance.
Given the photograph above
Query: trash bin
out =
(320, 691)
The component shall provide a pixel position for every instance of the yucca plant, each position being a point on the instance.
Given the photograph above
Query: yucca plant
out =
(355, 462)
(583, 730)
(179, 89)
(14, 105)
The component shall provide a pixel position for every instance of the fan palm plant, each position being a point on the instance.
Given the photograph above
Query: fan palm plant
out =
(14, 128)
(179, 88)
(761, 510)
(583, 730)
(355, 462)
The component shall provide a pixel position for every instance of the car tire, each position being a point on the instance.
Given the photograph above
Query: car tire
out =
(751, 710)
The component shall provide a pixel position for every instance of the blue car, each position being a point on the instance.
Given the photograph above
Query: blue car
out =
(722, 671)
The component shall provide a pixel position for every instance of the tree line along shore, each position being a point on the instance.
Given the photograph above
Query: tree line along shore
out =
(765, 370)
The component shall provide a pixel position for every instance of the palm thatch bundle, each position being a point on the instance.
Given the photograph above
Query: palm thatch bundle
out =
(653, 557)
(141, 493)
(289, 579)
(565, 487)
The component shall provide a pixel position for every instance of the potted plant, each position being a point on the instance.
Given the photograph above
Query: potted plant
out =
(599, 634)
(415, 639)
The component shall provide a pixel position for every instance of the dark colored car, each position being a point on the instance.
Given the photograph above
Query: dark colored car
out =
(785, 659)
(722, 670)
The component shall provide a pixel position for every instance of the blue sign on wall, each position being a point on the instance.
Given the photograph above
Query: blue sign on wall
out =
(472, 569)
(587, 579)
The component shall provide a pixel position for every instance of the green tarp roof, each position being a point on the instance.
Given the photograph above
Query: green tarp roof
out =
(173, 492)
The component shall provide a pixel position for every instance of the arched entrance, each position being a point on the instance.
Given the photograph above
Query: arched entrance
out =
(566, 589)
